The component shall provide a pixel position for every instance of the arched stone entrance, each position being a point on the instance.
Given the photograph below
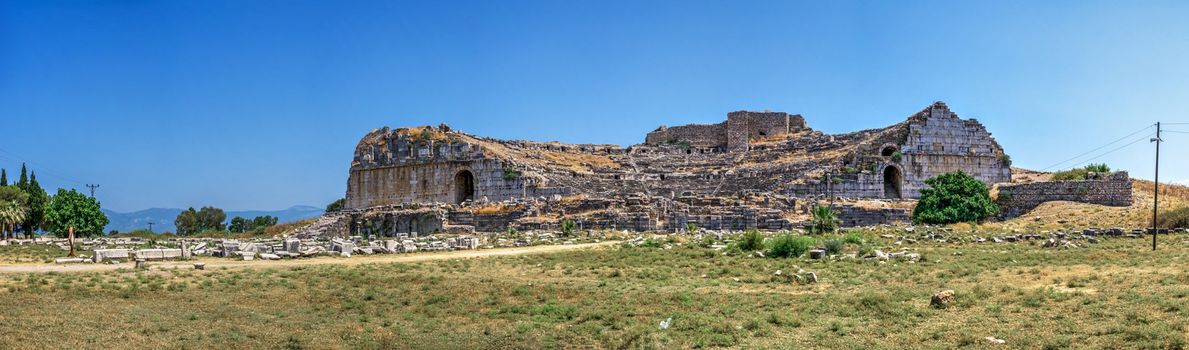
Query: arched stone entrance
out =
(892, 180)
(464, 186)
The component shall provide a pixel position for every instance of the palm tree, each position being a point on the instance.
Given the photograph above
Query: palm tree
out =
(11, 213)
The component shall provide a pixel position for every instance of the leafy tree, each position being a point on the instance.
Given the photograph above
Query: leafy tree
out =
(71, 209)
(238, 225)
(38, 200)
(824, 220)
(187, 222)
(336, 205)
(192, 221)
(260, 223)
(211, 219)
(954, 197)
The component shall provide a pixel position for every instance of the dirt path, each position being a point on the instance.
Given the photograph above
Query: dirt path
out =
(355, 260)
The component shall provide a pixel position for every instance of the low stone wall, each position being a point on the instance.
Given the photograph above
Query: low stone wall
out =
(1112, 189)
(854, 216)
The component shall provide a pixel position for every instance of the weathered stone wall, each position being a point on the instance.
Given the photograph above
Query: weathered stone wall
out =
(391, 223)
(740, 128)
(397, 166)
(744, 126)
(855, 216)
(1113, 190)
(698, 135)
(939, 142)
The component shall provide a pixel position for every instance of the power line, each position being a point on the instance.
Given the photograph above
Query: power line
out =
(1098, 148)
(44, 170)
(1146, 137)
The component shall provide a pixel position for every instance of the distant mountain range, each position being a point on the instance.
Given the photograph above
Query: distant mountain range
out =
(162, 218)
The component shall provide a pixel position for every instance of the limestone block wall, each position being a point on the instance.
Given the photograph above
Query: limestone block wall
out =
(855, 216)
(939, 142)
(437, 182)
(394, 222)
(1017, 199)
(698, 135)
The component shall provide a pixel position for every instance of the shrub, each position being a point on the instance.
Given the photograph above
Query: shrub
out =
(853, 238)
(788, 245)
(824, 220)
(567, 227)
(1080, 173)
(1175, 218)
(691, 228)
(751, 240)
(834, 246)
(897, 156)
(954, 197)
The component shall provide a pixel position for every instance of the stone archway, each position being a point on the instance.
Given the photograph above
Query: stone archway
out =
(464, 186)
(893, 180)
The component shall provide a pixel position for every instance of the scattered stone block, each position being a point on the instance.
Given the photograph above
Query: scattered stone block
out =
(68, 260)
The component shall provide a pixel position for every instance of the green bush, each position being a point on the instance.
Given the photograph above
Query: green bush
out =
(897, 156)
(1175, 218)
(751, 240)
(834, 246)
(954, 197)
(824, 220)
(1080, 173)
(788, 245)
(567, 228)
(853, 238)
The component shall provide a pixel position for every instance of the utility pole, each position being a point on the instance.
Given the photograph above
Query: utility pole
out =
(150, 227)
(1156, 186)
(92, 187)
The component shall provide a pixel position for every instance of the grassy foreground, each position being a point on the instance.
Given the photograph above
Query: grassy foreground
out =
(1116, 294)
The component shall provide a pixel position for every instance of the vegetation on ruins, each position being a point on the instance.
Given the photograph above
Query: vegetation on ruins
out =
(510, 174)
(1080, 173)
(751, 240)
(691, 228)
(73, 210)
(897, 156)
(833, 246)
(336, 205)
(1174, 218)
(824, 220)
(954, 197)
(568, 227)
(788, 245)
(192, 221)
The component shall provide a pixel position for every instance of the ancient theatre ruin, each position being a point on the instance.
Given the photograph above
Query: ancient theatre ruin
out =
(759, 170)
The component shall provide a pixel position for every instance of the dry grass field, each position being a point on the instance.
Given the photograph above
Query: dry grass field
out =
(1114, 294)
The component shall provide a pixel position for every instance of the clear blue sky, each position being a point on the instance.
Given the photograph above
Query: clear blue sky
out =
(258, 104)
